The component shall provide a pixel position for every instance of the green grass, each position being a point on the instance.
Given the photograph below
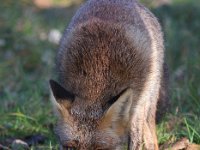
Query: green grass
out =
(26, 64)
(180, 22)
(27, 61)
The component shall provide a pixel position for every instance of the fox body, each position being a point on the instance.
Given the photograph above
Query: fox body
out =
(110, 67)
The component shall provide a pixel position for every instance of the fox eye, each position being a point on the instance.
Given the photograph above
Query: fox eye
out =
(70, 145)
(69, 148)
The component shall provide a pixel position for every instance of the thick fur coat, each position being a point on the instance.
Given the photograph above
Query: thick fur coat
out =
(110, 66)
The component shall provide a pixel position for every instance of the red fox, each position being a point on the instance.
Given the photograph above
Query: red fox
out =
(111, 70)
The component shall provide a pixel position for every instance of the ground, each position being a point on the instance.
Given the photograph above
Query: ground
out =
(27, 54)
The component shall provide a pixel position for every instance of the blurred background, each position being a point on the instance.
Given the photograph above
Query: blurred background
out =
(29, 35)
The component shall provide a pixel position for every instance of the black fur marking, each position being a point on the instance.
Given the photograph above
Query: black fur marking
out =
(113, 100)
(129, 142)
(60, 92)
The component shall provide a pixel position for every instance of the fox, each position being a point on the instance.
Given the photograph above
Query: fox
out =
(111, 77)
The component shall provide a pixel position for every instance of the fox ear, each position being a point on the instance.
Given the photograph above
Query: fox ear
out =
(59, 92)
(61, 98)
(119, 111)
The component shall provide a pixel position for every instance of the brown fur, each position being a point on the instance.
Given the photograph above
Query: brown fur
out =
(110, 66)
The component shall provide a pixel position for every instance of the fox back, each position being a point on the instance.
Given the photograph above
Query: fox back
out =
(110, 66)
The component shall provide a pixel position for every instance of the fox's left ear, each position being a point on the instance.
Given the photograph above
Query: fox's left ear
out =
(61, 98)
(119, 111)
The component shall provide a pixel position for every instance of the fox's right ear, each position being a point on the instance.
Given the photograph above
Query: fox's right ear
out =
(119, 111)
(61, 98)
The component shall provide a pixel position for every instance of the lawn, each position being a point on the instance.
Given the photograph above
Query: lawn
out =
(27, 56)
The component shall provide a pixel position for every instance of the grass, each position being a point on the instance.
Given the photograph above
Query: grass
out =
(27, 61)
(180, 24)
(24, 73)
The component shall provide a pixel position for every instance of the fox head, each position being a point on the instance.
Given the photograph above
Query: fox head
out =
(83, 126)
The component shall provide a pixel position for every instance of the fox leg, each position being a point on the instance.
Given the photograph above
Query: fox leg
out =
(136, 133)
(149, 135)
(143, 129)
(136, 140)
